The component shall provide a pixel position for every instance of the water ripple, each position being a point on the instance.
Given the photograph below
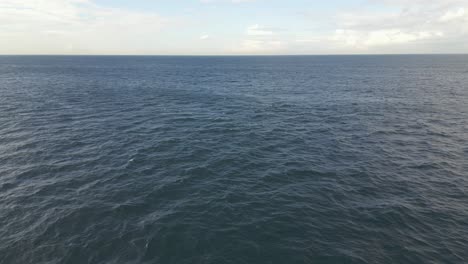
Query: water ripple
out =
(233, 160)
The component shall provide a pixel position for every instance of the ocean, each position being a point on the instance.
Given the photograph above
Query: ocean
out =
(287, 159)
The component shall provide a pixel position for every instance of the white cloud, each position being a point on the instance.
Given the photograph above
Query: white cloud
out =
(82, 26)
(416, 26)
(260, 40)
(258, 46)
(454, 15)
(74, 26)
(257, 30)
(204, 37)
(227, 1)
(365, 40)
(425, 23)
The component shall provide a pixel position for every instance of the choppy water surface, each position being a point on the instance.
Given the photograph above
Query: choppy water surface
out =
(340, 159)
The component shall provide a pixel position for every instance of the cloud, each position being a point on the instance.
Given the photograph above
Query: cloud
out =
(425, 23)
(452, 15)
(365, 40)
(260, 40)
(400, 26)
(69, 26)
(377, 26)
(257, 30)
(204, 37)
(227, 1)
(260, 46)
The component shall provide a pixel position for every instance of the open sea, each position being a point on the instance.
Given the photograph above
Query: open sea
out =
(242, 160)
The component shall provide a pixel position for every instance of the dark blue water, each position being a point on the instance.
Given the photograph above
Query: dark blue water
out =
(333, 159)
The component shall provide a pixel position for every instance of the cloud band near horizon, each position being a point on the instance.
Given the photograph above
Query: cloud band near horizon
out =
(215, 27)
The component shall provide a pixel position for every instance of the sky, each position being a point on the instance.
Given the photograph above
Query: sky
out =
(233, 27)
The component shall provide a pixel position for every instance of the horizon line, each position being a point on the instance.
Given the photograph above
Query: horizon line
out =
(240, 55)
